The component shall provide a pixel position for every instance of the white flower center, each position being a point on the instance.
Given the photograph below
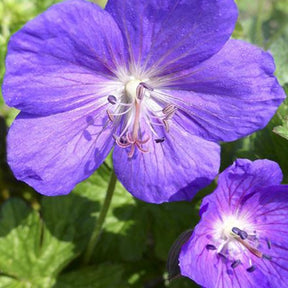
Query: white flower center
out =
(237, 242)
(131, 89)
(224, 229)
(139, 113)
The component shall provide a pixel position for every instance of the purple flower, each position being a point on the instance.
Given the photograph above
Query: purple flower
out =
(159, 81)
(242, 238)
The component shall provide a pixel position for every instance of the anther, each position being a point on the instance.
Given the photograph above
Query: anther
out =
(110, 115)
(169, 111)
(146, 86)
(140, 92)
(269, 244)
(210, 247)
(160, 140)
(236, 231)
(243, 234)
(265, 256)
(222, 256)
(251, 269)
(112, 99)
(166, 125)
(235, 263)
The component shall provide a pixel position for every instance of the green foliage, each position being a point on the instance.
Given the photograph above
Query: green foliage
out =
(282, 116)
(106, 275)
(36, 248)
(282, 130)
(22, 257)
(101, 3)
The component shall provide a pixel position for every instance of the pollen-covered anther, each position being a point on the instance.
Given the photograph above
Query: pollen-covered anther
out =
(235, 264)
(241, 233)
(146, 86)
(159, 140)
(140, 91)
(268, 244)
(265, 256)
(110, 115)
(251, 269)
(112, 99)
(236, 230)
(169, 112)
(210, 247)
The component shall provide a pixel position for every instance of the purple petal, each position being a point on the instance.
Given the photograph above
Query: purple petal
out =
(173, 35)
(62, 59)
(54, 153)
(173, 170)
(229, 95)
(239, 181)
(272, 222)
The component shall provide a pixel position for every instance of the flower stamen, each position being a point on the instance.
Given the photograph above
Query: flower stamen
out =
(135, 91)
(235, 263)
(243, 234)
(169, 112)
(112, 99)
(160, 140)
(210, 247)
(268, 244)
(251, 269)
(253, 250)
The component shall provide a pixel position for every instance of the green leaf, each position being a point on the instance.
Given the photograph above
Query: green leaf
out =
(271, 146)
(101, 3)
(282, 130)
(121, 224)
(238, 32)
(134, 230)
(34, 250)
(104, 276)
(182, 283)
(7, 282)
(70, 220)
(279, 50)
(21, 255)
(282, 5)
(171, 219)
(282, 115)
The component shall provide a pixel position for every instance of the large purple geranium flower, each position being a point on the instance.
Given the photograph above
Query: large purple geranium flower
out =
(157, 80)
(242, 238)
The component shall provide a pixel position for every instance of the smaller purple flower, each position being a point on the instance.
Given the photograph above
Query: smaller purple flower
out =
(242, 238)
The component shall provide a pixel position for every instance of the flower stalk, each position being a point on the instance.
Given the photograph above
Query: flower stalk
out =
(101, 219)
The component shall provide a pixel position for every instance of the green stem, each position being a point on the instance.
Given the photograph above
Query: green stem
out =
(100, 221)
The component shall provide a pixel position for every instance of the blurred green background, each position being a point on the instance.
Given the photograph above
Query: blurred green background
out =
(42, 239)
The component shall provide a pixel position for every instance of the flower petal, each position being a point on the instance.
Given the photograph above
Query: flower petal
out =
(62, 58)
(229, 95)
(54, 153)
(271, 209)
(173, 35)
(240, 181)
(171, 171)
